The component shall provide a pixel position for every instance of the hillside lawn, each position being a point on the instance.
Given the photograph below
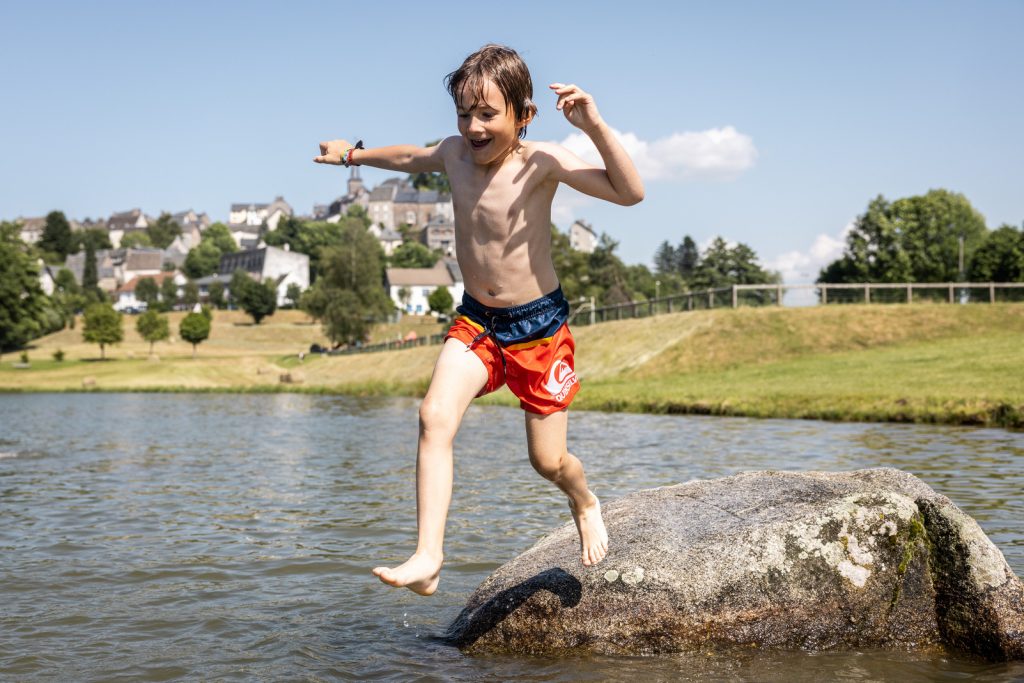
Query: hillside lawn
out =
(955, 364)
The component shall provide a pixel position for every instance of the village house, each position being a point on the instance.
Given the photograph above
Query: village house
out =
(409, 288)
(439, 233)
(115, 267)
(32, 229)
(281, 266)
(126, 222)
(396, 202)
(249, 222)
(582, 237)
(125, 300)
(389, 239)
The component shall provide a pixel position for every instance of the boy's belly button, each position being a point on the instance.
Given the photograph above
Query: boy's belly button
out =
(491, 292)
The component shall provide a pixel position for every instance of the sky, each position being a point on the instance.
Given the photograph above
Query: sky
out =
(772, 124)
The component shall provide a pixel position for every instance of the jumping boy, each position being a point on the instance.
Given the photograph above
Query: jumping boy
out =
(511, 327)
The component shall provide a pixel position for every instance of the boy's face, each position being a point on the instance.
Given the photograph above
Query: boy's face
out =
(487, 123)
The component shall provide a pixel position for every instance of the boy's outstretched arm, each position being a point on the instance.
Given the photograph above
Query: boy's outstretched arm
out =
(618, 181)
(406, 158)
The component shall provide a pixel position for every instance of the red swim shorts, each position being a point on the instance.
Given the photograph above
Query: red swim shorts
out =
(540, 372)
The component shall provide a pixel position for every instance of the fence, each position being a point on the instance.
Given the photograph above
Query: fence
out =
(734, 296)
(586, 313)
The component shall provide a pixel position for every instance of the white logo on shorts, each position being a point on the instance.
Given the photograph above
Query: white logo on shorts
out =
(560, 379)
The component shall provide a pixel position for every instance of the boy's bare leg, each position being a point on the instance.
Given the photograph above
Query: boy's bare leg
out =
(546, 440)
(459, 375)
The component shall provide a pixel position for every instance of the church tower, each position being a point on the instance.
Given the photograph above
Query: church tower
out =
(355, 183)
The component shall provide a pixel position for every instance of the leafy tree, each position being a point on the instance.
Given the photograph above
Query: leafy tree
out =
(67, 296)
(404, 295)
(90, 276)
(102, 326)
(348, 297)
(220, 236)
(152, 327)
(665, 259)
(190, 294)
(914, 239)
(440, 301)
(293, 294)
(202, 260)
(1000, 258)
(148, 290)
(240, 281)
(217, 294)
(359, 213)
(194, 328)
(687, 257)
(163, 231)
(98, 237)
(722, 265)
(311, 237)
(22, 301)
(136, 238)
(258, 299)
(56, 239)
(169, 293)
(413, 255)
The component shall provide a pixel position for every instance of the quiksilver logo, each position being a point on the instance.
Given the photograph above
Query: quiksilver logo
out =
(560, 379)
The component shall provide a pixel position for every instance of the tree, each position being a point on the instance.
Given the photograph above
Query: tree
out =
(722, 265)
(194, 328)
(404, 295)
(98, 237)
(102, 326)
(914, 239)
(293, 294)
(90, 276)
(22, 301)
(348, 297)
(220, 236)
(687, 257)
(56, 239)
(163, 231)
(665, 259)
(259, 300)
(169, 293)
(136, 239)
(240, 281)
(190, 294)
(152, 327)
(217, 294)
(202, 260)
(413, 255)
(148, 290)
(67, 296)
(1000, 258)
(440, 300)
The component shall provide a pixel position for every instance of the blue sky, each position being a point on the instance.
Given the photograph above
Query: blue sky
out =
(768, 124)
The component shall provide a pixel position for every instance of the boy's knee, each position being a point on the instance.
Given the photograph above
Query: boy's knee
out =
(548, 465)
(437, 418)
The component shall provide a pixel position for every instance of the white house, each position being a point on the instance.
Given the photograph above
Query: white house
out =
(120, 224)
(267, 264)
(409, 288)
(124, 296)
(256, 215)
(582, 237)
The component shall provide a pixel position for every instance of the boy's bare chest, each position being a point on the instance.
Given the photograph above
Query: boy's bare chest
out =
(498, 201)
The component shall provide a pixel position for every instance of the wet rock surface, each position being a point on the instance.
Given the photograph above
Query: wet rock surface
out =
(865, 559)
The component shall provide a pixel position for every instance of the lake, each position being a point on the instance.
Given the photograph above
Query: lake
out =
(230, 537)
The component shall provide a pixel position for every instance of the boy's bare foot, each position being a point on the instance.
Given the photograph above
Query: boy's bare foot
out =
(420, 574)
(593, 536)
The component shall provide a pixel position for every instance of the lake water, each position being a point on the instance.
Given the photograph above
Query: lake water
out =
(224, 537)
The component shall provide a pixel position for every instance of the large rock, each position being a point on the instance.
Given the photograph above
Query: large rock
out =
(873, 558)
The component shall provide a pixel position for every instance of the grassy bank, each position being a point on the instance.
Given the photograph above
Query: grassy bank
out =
(920, 363)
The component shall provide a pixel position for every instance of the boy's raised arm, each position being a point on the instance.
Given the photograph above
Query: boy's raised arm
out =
(618, 181)
(405, 158)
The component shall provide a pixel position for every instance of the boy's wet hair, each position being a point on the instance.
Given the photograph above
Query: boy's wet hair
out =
(506, 68)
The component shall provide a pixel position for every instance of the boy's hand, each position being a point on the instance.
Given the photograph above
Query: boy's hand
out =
(579, 107)
(330, 152)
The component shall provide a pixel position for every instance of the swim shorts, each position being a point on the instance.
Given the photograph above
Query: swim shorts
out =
(529, 347)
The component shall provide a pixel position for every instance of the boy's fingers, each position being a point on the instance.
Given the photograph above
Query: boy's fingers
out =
(323, 148)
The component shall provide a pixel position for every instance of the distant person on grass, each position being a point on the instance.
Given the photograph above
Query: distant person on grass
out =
(511, 327)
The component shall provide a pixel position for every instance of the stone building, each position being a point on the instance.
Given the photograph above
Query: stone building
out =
(267, 264)
(582, 237)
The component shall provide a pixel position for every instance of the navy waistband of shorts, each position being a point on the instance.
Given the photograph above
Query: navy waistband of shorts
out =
(533, 320)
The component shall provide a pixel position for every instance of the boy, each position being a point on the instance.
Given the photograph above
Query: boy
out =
(511, 328)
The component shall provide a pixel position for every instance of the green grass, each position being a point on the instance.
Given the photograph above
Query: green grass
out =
(920, 363)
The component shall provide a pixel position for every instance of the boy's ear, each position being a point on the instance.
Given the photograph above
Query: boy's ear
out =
(525, 121)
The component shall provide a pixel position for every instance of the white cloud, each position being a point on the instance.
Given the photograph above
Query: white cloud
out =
(803, 266)
(713, 154)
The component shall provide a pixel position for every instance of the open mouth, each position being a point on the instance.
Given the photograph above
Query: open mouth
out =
(479, 144)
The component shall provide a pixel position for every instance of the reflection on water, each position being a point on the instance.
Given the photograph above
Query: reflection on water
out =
(156, 537)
